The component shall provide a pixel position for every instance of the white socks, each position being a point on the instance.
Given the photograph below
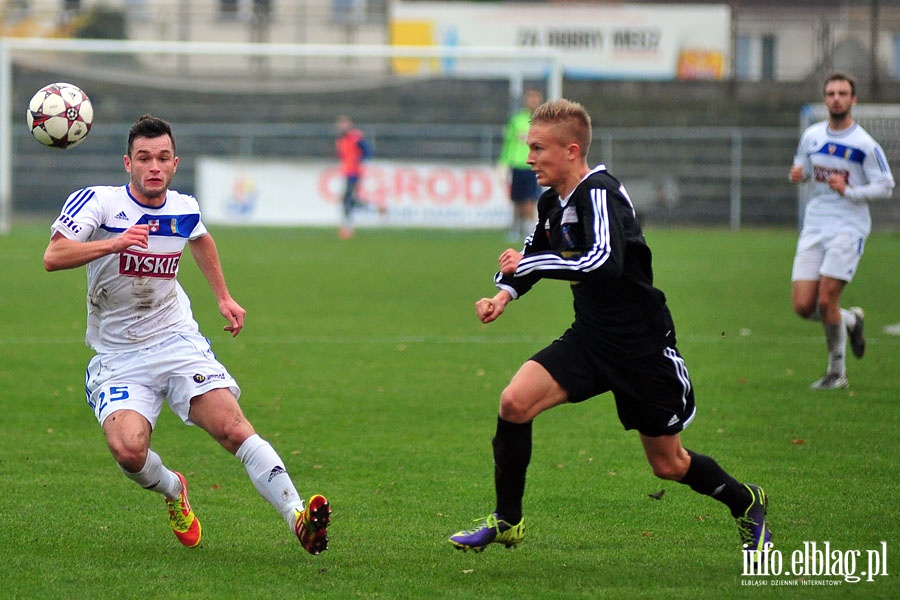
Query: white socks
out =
(267, 472)
(849, 319)
(265, 467)
(836, 338)
(154, 476)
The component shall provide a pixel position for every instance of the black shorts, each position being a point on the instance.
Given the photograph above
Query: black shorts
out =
(653, 394)
(523, 186)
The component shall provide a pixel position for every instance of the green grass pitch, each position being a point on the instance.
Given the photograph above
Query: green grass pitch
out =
(363, 363)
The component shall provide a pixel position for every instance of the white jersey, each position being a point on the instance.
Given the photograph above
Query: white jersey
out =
(133, 298)
(854, 155)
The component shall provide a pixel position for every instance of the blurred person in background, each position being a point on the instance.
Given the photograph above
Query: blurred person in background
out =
(149, 349)
(515, 170)
(352, 150)
(847, 169)
(622, 340)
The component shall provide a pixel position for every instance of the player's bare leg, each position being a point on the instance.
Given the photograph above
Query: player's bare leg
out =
(219, 413)
(128, 438)
(820, 300)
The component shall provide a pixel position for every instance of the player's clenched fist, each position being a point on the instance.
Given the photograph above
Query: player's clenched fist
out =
(509, 261)
(136, 235)
(488, 309)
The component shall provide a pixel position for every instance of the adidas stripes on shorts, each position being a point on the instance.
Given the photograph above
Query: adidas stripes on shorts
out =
(653, 394)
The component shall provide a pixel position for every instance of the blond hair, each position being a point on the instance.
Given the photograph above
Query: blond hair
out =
(573, 123)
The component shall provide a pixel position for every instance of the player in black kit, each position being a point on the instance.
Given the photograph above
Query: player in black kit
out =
(622, 340)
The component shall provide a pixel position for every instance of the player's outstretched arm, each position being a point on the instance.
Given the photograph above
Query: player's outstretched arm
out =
(206, 255)
(63, 253)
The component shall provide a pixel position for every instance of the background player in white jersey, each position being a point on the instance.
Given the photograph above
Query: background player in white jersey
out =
(848, 169)
(148, 346)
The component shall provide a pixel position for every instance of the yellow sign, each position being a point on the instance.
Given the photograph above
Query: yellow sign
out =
(701, 64)
(413, 33)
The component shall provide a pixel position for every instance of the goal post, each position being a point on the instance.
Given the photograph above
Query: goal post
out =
(514, 64)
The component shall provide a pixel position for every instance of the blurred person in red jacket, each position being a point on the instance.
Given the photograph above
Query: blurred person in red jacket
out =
(352, 150)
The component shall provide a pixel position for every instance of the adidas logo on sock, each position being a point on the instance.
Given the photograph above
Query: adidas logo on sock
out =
(278, 470)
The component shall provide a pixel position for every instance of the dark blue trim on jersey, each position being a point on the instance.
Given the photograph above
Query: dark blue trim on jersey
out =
(141, 204)
(171, 225)
(77, 201)
(164, 225)
(841, 151)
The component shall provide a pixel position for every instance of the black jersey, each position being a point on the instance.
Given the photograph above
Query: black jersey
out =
(593, 239)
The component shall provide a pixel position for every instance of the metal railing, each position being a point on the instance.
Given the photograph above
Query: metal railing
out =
(710, 175)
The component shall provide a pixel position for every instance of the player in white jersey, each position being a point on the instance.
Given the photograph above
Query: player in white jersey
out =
(847, 169)
(148, 346)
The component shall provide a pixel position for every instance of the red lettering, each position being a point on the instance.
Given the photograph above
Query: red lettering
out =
(138, 264)
(413, 186)
(823, 174)
(375, 186)
(407, 185)
(442, 187)
(331, 185)
(477, 185)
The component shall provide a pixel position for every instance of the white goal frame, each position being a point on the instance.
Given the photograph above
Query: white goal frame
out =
(518, 63)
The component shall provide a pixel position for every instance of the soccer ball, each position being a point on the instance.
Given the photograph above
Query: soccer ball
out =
(60, 115)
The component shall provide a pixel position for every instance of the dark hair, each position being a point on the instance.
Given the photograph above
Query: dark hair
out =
(150, 127)
(838, 76)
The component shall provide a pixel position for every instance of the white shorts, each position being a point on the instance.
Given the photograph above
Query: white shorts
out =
(177, 370)
(835, 254)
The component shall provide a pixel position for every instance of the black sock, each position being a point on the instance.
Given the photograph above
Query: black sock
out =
(706, 477)
(512, 453)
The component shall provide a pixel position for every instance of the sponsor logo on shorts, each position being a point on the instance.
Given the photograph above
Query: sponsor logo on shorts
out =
(201, 378)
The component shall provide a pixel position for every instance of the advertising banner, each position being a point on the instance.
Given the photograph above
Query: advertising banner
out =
(600, 41)
(396, 194)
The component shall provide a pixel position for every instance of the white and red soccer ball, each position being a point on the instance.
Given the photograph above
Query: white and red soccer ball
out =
(60, 115)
